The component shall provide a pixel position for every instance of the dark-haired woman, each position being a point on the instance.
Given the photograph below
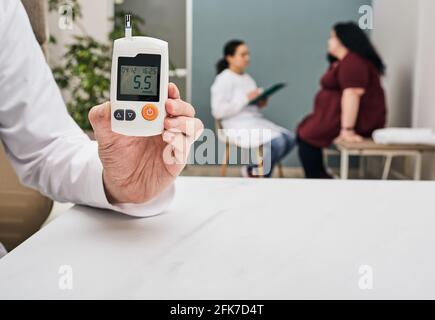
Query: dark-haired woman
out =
(350, 104)
(244, 124)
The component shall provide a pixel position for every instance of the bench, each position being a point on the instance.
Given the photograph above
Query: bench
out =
(369, 148)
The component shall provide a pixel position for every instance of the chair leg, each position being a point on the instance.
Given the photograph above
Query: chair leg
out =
(260, 162)
(225, 160)
(361, 168)
(387, 167)
(325, 158)
(280, 170)
(417, 166)
(344, 165)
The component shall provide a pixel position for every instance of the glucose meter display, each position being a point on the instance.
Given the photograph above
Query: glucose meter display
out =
(139, 80)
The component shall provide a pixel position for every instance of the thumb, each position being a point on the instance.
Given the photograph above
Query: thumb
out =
(99, 117)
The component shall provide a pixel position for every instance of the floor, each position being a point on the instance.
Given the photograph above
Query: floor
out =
(234, 171)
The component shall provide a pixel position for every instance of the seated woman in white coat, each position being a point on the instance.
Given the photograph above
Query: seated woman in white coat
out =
(231, 92)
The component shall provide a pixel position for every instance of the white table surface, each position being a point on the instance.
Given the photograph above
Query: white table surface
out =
(226, 238)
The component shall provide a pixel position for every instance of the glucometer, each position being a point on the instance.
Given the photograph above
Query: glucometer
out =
(139, 84)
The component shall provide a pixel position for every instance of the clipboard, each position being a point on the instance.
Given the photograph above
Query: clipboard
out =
(267, 93)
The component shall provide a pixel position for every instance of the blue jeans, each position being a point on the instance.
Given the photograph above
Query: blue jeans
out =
(275, 151)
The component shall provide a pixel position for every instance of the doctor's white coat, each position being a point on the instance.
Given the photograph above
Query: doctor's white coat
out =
(243, 124)
(47, 149)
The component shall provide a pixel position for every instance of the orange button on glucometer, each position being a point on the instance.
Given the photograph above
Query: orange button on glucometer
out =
(150, 112)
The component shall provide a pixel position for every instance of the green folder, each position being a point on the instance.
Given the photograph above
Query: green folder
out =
(267, 93)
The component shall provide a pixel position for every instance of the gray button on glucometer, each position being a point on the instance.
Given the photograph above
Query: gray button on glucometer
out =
(118, 114)
(130, 115)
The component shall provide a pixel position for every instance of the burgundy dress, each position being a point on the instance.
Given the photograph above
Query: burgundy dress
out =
(323, 125)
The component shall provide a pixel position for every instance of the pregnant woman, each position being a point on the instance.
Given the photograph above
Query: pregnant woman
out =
(350, 104)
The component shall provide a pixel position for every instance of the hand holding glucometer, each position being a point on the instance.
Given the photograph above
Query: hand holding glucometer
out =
(145, 134)
(139, 84)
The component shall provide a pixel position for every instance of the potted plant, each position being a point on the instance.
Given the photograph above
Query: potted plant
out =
(84, 71)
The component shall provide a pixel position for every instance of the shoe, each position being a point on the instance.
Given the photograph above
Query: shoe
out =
(247, 172)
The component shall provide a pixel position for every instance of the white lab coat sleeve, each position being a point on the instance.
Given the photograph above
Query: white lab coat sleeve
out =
(47, 149)
(226, 99)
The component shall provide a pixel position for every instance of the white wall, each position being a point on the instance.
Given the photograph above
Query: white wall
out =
(424, 102)
(403, 34)
(395, 36)
(424, 91)
(165, 19)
